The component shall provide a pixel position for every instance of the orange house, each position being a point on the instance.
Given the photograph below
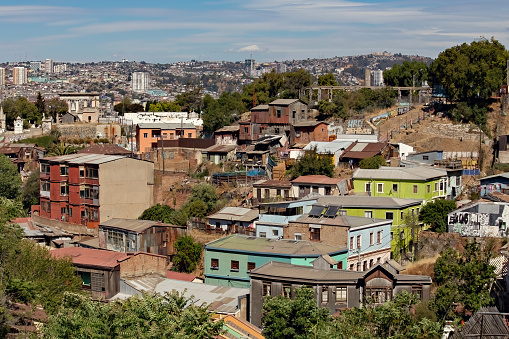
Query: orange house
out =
(147, 135)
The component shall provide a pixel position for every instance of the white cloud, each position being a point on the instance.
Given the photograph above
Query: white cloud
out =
(252, 48)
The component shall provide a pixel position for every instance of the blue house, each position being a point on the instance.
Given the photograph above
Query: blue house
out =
(274, 216)
(495, 183)
(229, 260)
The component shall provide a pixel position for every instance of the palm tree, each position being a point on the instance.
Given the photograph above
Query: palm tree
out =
(61, 149)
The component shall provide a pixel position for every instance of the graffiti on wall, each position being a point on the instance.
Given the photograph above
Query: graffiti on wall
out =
(355, 123)
(468, 224)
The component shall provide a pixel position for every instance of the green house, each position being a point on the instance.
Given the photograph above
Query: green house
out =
(400, 211)
(229, 260)
(419, 182)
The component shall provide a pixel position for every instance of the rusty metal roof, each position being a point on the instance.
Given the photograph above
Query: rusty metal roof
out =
(90, 257)
(133, 225)
(108, 149)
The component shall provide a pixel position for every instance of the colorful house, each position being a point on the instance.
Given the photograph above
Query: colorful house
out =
(147, 135)
(229, 260)
(419, 182)
(395, 209)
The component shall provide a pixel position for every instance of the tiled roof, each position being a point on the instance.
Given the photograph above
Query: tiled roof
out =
(90, 257)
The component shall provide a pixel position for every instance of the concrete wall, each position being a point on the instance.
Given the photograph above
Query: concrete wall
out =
(141, 264)
(126, 188)
(330, 235)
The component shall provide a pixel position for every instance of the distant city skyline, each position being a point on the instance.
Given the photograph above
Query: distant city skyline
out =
(171, 31)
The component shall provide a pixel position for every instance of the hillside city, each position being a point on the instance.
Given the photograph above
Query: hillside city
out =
(350, 197)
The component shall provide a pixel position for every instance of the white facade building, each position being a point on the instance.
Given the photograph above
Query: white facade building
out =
(48, 66)
(20, 75)
(377, 78)
(140, 81)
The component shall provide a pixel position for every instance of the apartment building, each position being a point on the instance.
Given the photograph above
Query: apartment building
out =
(88, 189)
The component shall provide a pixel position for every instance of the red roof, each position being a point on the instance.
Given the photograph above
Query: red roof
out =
(180, 276)
(90, 257)
(273, 183)
(363, 150)
(316, 179)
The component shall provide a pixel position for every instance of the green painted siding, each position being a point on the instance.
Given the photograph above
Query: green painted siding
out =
(399, 189)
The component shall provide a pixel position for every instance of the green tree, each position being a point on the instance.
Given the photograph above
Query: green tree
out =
(164, 106)
(188, 254)
(297, 318)
(20, 106)
(30, 190)
(410, 73)
(464, 278)
(40, 104)
(313, 163)
(10, 180)
(221, 112)
(191, 100)
(327, 80)
(56, 107)
(205, 193)
(434, 213)
(471, 73)
(374, 162)
(139, 317)
(197, 208)
(61, 149)
(165, 214)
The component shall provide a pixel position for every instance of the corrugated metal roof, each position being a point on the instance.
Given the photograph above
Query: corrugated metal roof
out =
(260, 108)
(283, 102)
(323, 147)
(418, 173)
(235, 214)
(228, 129)
(133, 225)
(90, 257)
(165, 126)
(83, 158)
(273, 183)
(220, 148)
(316, 179)
(282, 247)
(308, 123)
(359, 201)
(341, 221)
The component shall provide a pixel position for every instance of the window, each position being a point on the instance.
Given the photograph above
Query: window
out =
(165, 135)
(365, 265)
(92, 172)
(294, 113)
(339, 265)
(441, 185)
(436, 186)
(287, 194)
(351, 243)
(341, 296)
(315, 189)
(325, 294)
(417, 210)
(246, 130)
(112, 237)
(389, 215)
(45, 186)
(172, 136)
(415, 188)
(358, 241)
(45, 168)
(266, 288)
(263, 234)
(368, 187)
(379, 188)
(328, 191)
(371, 238)
(371, 263)
(394, 188)
(267, 193)
(278, 192)
(428, 188)
(275, 233)
(351, 267)
(251, 266)
(82, 171)
(413, 212)
(286, 291)
(64, 170)
(368, 214)
(86, 278)
(402, 215)
(214, 264)
(298, 236)
(379, 237)
(314, 234)
(234, 265)
(392, 236)
(418, 291)
(145, 135)
(189, 135)
(64, 189)
(278, 113)
(402, 235)
(425, 157)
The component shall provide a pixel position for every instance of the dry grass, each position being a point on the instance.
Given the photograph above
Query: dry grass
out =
(204, 237)
(421, 267)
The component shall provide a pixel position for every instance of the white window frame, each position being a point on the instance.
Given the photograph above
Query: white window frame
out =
(378, 185)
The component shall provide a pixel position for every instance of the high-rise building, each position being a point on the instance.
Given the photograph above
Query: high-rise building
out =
(250, 66)
(378, 78)
(35, 66)
(2, 76)
(140, 81)
(48, 65)
(60, 68)
(20, 75)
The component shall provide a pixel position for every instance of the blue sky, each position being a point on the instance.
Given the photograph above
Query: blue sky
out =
(169, 31)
